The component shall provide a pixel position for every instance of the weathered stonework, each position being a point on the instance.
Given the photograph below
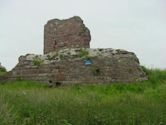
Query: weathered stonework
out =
(69, 33)
(69, 60)
(69, 66)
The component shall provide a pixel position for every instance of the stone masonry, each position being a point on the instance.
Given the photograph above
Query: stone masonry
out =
(69, 33)
(69, 60)
(71, 66)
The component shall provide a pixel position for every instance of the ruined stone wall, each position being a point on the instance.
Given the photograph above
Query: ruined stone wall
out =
(68, 59)
(69, 33)
(79, 66)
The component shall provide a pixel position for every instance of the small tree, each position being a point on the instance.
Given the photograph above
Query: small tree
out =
(2, 69)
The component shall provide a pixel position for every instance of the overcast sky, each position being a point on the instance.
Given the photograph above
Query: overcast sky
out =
(133, 25)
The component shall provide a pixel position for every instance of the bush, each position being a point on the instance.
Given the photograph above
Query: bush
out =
(155, 75)
(2, 69)
(37, 61)
(84, 54)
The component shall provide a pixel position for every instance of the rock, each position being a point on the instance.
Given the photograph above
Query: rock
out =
(69, 33)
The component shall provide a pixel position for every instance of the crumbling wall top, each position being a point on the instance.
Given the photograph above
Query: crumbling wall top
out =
(68, 33)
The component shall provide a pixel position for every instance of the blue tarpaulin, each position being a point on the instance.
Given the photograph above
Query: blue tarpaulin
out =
(88, 62)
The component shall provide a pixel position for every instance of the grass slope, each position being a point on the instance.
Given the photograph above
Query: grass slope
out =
(30, 103)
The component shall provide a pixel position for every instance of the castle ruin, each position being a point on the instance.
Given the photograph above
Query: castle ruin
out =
(68, 59)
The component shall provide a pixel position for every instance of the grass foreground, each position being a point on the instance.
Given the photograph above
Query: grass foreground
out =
(31, 103)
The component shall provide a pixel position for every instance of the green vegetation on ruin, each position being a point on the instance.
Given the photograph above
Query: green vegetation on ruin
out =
(84, 54)
(37, 61)
(32, 103)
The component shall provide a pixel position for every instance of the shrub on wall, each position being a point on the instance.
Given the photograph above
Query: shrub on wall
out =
(84, 54)
(37, 61)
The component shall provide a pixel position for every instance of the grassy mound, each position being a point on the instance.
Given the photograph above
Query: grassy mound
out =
(31, 103)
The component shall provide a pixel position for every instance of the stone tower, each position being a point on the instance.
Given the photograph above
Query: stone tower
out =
(69, 33)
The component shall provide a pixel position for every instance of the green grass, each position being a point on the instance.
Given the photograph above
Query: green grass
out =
(2, 73)
(31, 103)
